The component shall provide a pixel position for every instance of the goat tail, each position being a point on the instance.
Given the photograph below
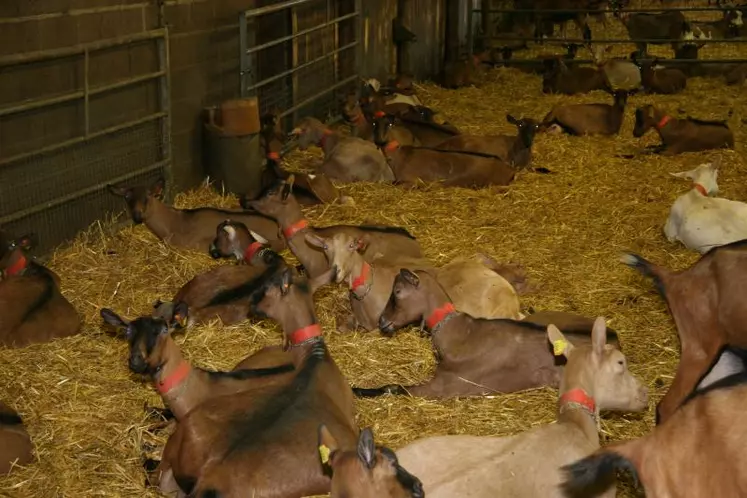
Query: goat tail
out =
(594, 474)
(646, 268)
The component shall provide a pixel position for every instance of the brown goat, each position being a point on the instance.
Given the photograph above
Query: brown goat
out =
(16, 447)
(412, 165)
(221, 444)
(349, 159)
(706, 303)
(370, 471)
(473, 287)
(682, 135)
(224, 292)
(699, 451)
(408, 130)
(664, 80)
(354, 116)
(558, 78)
(476, 356)
(383, 241)
(387, 127)
(516, 150)
(588, 119)
(188, 228)
(32, 309)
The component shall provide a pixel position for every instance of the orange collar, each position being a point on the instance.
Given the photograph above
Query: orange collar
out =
(327, 133)
(361, 279)
(664, 121)
(439, 315)
(253, 249)
(700, 188)
(295, 228)
(391, 146)
(17, 267)
(178, 376)
(304, 334)
(379, 114)
(275, 156)
(579, 397)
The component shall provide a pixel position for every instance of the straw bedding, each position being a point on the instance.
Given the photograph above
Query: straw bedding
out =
(84, 410)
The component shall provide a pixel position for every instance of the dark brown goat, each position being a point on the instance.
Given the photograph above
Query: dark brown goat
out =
(15, 444)
(370, 471)
(221, 444)
(699, 451)
(477, 356)
(668, 27)
(588, 119)
(664, 80)
(682, 135)
(188, 228)
(412, 165)
(706, 302)
(558, 78)
(224, 292)
(383, 241)
(32, 309)
(516, 150)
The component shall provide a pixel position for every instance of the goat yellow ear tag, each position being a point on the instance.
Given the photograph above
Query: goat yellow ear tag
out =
(324, 453)
(559, 346)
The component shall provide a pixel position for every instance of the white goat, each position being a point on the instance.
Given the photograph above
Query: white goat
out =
(702, 222)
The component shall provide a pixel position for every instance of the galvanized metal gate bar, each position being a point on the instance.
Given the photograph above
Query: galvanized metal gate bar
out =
(248, 74)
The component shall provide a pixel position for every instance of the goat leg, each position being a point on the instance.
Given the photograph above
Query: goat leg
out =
(690, 371)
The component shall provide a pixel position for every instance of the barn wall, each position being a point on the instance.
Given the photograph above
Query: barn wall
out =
(378, 54)
(427, 20)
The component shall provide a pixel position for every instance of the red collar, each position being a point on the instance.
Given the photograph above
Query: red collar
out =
(175, 379)
(700, 188)
(253, 248)
(391, 146)
(664, 121)
(579, 397)
(304, 334)
(275, 156)
(379, 114)
(361, 279)
(17, 267)
(439, 315)
(327, 133)
(295, 228)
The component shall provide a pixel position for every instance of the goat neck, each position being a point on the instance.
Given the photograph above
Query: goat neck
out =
(301, 330)
(328, 141)
(181, 387)
(161, 218)
(576, 404)
(17, 265)
(360, 279)
(438, 309)
(700, 190)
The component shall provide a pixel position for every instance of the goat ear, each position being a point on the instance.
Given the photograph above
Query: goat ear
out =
(230, 231)
(27, 242)
(409, 277)
(316, 240)
(181, 313)
(114, 320)
(120, 191)
(687, 175)
(367, 448)
(560, 345)
(599, 337)
(362, 242)
(327, 444)
(156, 190)
(512, 120)
(286, 281)
(258, 237)
(288, 187)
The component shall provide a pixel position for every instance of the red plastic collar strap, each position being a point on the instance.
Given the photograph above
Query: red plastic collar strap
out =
(17, 267)
(253, 248)
(275, 156)
(327, 132)
(438, 315)
(304, 334)
(178, 376)
(700, 188)
(379, 114)
(361, 279)
(579, 397)
(391, 146)
(295, 228)
(664, 121)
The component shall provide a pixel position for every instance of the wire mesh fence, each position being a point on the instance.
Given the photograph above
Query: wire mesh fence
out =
(72, 122)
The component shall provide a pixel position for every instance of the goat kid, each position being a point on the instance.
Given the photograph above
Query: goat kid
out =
(188, 228)
(682, 135)
(595, 378)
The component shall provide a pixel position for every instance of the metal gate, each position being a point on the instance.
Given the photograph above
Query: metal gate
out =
(72, 121)
(300, 57)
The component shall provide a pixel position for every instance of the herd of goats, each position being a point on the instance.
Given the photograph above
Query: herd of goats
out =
(282, 423)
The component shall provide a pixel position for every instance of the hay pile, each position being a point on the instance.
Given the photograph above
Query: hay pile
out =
(85, 411)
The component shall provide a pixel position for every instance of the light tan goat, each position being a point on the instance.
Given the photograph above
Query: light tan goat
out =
(528, 465)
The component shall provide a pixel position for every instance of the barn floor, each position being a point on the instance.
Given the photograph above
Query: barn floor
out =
(85, 411)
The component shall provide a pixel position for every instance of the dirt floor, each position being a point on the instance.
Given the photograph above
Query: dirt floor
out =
(85, 411)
